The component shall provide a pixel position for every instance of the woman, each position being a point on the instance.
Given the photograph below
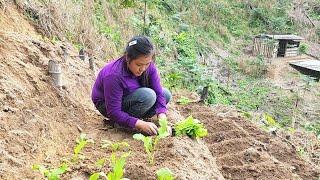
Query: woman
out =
(128, 89)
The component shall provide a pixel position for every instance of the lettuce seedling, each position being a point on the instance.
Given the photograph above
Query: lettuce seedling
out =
(95, 176)
(191, 127)
(82, 141)
(114, 146)
(184, 100)
(117, 166)
(52, 174)
(149, 143)
(164, 174)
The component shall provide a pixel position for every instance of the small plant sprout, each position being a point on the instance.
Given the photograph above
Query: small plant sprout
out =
(149, 143)
(100, 163)
(82, 141)
(114, 146)
(270, 123)
(52, 174)
(184, 100)
(191, 127)
(95, 176)
(164, 174)
(117, 165)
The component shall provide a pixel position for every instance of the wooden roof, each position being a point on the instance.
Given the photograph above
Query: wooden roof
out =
(308, 64)
(282, 37)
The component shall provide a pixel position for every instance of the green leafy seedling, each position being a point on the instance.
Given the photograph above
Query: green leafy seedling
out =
(95, 176)
(191, 127)
(164, 174)
(82, 141)
(184, 100)
(149, 143)
(117, 166)
(100, 163)
(114, 146)
(52, 174)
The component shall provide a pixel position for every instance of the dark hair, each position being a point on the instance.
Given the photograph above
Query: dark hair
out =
(136, 47)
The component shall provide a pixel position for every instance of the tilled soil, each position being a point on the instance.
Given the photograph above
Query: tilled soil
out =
(244, 151)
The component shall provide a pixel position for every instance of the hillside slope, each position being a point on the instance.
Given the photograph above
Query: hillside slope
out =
(39, 123)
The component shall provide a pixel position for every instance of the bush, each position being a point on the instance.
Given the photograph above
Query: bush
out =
(303, 48)
(255, 68)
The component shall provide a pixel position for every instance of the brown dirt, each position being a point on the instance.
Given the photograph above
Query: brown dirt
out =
(243, 151)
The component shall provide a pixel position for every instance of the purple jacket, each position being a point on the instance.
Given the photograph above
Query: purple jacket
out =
(115, 81)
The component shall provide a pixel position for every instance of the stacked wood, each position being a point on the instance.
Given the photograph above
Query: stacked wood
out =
(265, 47)
(291, 52)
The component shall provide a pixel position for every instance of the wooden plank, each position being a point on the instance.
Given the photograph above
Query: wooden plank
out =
(308, 64)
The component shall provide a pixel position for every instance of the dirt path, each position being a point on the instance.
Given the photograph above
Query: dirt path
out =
(243, 151)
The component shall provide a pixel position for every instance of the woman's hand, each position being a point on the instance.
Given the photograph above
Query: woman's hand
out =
(147, 127)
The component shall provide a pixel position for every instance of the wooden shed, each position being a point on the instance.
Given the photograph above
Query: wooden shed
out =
(272, 46)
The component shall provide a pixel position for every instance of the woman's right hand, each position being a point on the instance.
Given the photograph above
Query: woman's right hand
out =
(147, 127)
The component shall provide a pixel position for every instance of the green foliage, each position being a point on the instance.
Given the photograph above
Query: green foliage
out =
(184, 100)
(256, 68)
(191, 72)
(303, 48)
(218, 94)
(150, 143)
(114, 146)
(111, 32)
(172, 80)
(274, 20)
(249, 96)
(164, 174)
(314, 127)
(117, 164)
(52, 174)
(191, 127)
(163, 130)
(270, 123)
(82, 141)
(95, 176)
